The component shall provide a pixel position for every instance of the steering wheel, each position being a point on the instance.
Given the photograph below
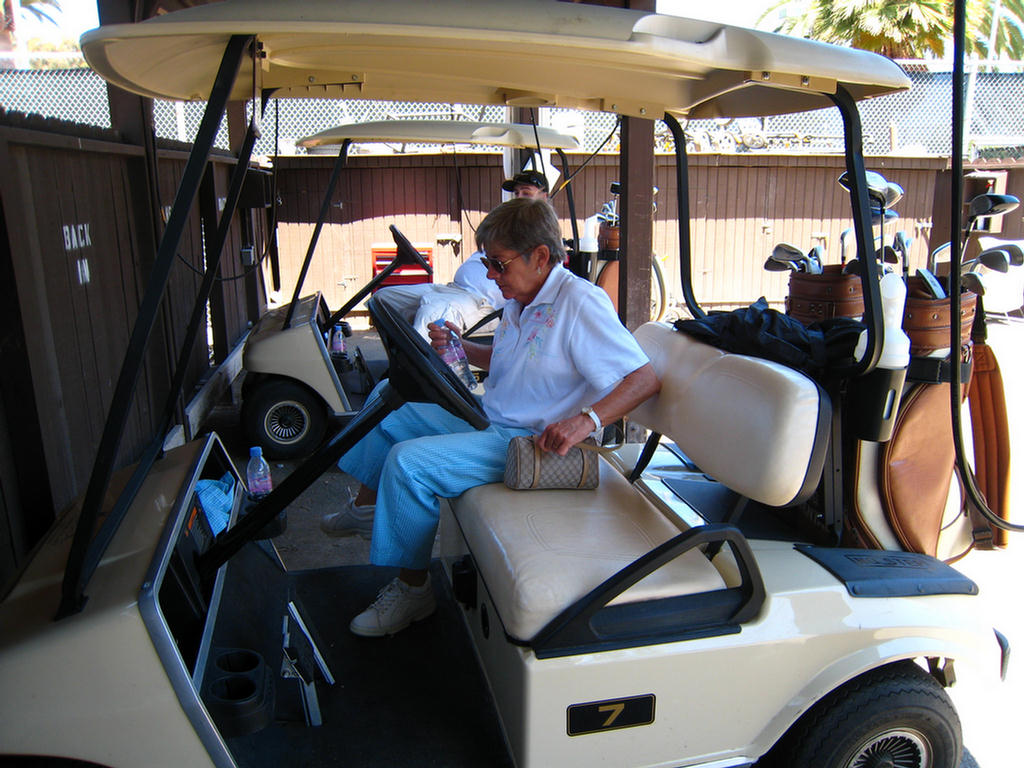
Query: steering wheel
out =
(407, 254)
(418, 373)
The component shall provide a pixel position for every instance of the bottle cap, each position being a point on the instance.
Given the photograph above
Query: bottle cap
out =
(255, 451)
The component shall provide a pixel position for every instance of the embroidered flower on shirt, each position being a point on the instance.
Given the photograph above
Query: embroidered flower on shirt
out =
(545, 316)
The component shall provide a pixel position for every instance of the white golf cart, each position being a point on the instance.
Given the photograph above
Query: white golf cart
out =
(293, 382)
(621, 626)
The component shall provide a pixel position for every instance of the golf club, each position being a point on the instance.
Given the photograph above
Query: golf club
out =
(932, 284)
(996, 259)
(814, 266)
(771, 265)
(988, 204)
(842, 244)
(933, 257)
(901, 243)
(786, 253)
(971, 281)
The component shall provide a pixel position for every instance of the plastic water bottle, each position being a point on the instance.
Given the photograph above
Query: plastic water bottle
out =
(338, 341)
(454, 355)
(257, 474)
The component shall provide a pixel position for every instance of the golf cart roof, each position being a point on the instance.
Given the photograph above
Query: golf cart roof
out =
(444, 132)
(522, 53)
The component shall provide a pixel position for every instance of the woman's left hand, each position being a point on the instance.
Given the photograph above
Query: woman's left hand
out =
(563, 435)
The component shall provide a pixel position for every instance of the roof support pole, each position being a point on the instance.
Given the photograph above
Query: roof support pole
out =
(637, 221)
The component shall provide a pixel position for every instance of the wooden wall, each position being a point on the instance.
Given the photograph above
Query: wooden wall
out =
(76, 247)
(741, 206)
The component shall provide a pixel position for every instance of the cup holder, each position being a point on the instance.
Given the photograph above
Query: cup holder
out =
(239, 661)
(239, 691)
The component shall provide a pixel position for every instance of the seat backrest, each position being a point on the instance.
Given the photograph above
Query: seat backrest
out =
(758, 427)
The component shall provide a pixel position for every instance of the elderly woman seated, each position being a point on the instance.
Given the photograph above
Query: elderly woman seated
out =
(561, 365)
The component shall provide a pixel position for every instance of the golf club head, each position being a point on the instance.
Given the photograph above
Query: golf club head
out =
(816, 254)
(771, 265)
(932, 284)
(852, 267)
(972, 282)
(842, 243)
(996, 259)
(933, 257)
(901, 242)
(892, 195)
(876, 184)
(990, 204)
(888, 255)
(787, 253)
(1016, 254)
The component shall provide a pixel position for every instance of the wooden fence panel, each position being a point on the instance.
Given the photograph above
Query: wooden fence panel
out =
(741, 207)
(81, 255)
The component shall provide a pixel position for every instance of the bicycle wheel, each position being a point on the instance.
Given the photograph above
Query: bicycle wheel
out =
(608, 278)
(659, 296)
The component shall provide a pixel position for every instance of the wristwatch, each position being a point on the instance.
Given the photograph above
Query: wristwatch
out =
(588, 411)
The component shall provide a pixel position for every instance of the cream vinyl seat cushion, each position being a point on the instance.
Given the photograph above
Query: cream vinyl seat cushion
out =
(540, 551)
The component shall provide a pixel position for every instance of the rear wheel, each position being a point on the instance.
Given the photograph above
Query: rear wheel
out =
(285, 418)
(894, 717)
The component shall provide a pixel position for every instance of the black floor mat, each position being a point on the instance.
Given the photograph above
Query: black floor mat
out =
(415, 699)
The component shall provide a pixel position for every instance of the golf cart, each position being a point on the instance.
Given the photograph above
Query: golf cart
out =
(629, 625)
(293, 381)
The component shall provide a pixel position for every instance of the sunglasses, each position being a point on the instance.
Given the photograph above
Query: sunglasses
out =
(497, 265)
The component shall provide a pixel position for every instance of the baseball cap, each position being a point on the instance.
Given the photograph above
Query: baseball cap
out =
(526, 177)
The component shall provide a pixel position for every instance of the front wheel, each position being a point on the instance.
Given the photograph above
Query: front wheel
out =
(897, 716)
(285, 418)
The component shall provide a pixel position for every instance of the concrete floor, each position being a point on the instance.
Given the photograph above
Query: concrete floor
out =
(989, 710)
(302, 546)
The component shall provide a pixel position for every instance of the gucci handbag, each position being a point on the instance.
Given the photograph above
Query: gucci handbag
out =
(528, 467)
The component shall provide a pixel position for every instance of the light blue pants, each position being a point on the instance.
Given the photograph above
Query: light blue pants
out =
(416, 454)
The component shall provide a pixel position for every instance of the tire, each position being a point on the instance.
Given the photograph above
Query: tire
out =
(659, 297)
(285, 418)
(896, 716)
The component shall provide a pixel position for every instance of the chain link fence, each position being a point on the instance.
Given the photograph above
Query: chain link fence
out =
(915, 122)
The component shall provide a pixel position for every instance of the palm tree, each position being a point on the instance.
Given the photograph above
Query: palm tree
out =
(904, 29)
(41, 9)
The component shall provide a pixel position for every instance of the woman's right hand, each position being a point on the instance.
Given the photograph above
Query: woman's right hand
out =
(441, 336)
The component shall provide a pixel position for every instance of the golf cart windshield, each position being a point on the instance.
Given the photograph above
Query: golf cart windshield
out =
(530, 53)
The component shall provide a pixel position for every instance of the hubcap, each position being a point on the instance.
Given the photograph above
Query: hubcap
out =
(896, 748)
(287, 422)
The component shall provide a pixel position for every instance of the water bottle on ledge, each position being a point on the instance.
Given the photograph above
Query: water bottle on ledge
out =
(338, 341)
(454, 355)
(257, 474)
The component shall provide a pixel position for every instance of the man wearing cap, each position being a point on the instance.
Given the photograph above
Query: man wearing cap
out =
(527, 184)
(471, 295)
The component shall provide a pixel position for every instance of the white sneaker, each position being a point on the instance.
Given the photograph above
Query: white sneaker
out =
(351, 520)
(397, 606)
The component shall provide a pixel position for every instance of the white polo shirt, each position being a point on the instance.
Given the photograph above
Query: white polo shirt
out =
(567, 349)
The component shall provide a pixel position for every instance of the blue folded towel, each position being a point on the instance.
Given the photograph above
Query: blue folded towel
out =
(216, 497)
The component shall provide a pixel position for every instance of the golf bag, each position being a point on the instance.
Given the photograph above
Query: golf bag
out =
(907, 494)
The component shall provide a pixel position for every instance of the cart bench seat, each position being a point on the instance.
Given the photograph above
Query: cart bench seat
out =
(757, 427)
(540, 551)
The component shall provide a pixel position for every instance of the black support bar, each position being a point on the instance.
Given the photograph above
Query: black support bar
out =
(72, 593)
